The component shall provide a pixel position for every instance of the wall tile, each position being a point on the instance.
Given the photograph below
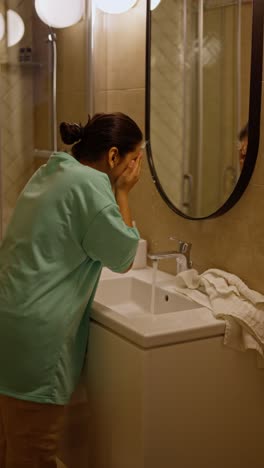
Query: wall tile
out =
(100, 101)
(130, 101)
(100, 52)
(72, 57)
(16, 118)
(125, 49)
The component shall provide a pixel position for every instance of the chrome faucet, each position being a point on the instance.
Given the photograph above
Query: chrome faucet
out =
(182, 255)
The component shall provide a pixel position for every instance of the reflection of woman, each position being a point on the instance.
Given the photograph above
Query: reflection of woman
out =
(71, 219)
(243, 144)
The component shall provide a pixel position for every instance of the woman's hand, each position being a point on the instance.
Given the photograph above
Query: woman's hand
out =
(130, 176)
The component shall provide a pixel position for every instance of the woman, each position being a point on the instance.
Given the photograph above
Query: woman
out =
(71, 219)
(243, 145)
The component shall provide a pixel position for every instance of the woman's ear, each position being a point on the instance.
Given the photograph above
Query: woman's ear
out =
(113, 157)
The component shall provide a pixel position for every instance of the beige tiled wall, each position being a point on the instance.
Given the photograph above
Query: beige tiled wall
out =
(234, 241)
(16, 96)
(119, 65)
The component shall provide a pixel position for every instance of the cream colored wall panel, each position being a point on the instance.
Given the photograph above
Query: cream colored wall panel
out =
(114, 372)
(100, 101)
(130, 101)
(100, 52)
(42, 126)
(125, 48)
(142, 211)
(203, 401)
(72, 60)
(195, 404)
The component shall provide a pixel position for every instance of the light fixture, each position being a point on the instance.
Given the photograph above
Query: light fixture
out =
(154, 4)
(60, 13)
(15, 27)
(2, 26)
(115, 6)
(57, 14)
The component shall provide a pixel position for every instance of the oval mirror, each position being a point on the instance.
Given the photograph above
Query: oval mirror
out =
(203, 98)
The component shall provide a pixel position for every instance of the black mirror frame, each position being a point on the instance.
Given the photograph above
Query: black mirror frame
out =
(253, 120)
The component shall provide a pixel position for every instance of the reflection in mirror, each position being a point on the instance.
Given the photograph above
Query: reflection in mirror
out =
(3, 44)
(200, 55)
(12, 30)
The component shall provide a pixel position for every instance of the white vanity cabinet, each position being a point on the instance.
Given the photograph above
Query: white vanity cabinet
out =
(193, 404)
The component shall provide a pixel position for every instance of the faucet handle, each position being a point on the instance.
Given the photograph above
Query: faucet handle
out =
(184, 247)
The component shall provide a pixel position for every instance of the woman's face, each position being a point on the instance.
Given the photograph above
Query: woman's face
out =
(243, 151)
(119, 164)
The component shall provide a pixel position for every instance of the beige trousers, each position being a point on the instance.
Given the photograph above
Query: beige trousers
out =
(29, 434)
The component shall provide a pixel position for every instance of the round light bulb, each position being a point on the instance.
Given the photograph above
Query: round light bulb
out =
(154, 4)
(15, 28)
(115, 6)
(60, 13)
(2, 26)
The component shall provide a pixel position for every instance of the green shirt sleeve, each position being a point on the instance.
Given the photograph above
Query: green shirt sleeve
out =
(109, 240)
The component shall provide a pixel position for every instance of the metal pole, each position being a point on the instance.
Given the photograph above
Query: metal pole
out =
(52, 39)
(200, 109)
(184, 155)
(90, 8)
(239, 14)
(186, 192)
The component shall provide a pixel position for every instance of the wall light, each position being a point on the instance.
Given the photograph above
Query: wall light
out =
(15, 27)
(115, 6)
(60, 13)
(154, 4)
(57, 14)
(2, 26)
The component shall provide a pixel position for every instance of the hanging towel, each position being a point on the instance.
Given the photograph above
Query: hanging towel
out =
(231, 300)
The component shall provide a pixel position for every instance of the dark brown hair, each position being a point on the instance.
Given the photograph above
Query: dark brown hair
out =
(102, 132)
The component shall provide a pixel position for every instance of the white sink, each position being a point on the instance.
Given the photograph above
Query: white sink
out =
(122, 304)
(128, 295)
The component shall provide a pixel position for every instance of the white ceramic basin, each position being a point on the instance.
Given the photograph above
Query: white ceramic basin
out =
(128, 295)
(122, 305)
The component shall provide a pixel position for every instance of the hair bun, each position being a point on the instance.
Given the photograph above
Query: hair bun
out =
(71, 132)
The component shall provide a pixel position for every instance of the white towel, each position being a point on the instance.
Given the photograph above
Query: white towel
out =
(230, 299)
